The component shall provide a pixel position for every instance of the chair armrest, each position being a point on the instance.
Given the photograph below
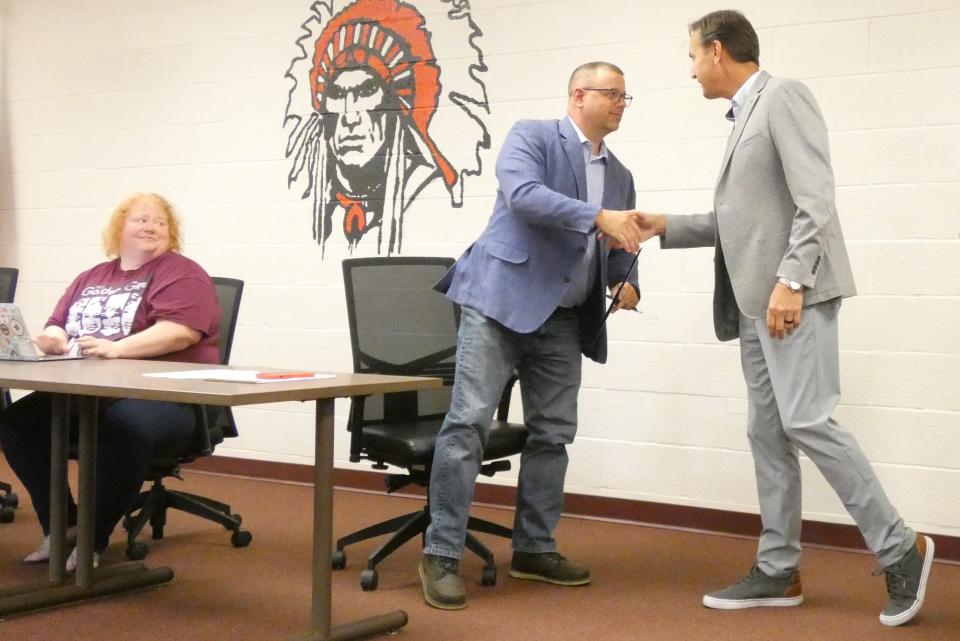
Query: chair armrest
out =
(355, 427)
(204, 447)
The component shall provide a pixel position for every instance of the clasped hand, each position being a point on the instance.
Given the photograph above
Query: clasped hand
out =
(91, 347)
(627, 229)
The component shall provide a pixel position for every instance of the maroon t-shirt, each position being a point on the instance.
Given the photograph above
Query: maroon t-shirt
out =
(108, 302)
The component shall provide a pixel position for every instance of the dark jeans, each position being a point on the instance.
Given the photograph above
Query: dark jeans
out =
(130, 433)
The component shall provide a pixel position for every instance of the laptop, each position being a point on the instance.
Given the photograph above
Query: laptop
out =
(15, 341)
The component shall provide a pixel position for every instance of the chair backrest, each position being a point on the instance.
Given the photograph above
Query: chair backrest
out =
(229, 293)
(8, 283)
(400, 325)
(8, 287)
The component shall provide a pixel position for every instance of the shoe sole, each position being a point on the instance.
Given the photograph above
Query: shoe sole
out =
(433, 603)
(743, 604)
(516, 574)
(903, 617)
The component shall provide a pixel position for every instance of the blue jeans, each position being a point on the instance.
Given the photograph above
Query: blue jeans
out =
(548, 364)
(129, 433)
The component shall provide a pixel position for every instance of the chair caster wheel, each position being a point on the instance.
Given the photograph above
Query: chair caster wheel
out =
(338, 560)
(241, 538)
(137, 551)
(368, 580)
(7, 514)
(489, 577)
(11, 500)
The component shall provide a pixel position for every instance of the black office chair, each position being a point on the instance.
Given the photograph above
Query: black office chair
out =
(399, 325)
(216, 424)
(8, 498)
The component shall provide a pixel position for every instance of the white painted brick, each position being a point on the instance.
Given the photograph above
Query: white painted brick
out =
(675, 114)
(698, 269)
(908, 156)
(841, 48)
(861, 327)
(702, 162)
(919, 381)
(912, 267)
(940, 96)
(655, 165)
(688, 200)
(253, 57)
(875, 212)
(690, 420)
(889, 435)
(918, 41)
(874, 101)
(666, 318)
(852, 9)
(768, 15)
(292, 348)
(919, 494)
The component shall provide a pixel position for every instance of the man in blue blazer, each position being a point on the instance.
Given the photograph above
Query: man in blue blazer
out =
(532, 288)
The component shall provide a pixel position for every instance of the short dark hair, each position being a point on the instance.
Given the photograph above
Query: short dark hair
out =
(590, 67)
(733, 30)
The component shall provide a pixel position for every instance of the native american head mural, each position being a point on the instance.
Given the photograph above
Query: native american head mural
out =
(379, 103)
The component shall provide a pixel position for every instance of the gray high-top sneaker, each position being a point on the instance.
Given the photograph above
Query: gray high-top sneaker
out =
(907, 583)
(757, 590)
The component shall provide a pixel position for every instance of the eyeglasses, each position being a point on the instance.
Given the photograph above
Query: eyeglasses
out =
(613, 94)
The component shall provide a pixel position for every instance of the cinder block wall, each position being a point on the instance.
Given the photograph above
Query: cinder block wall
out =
(99, 98)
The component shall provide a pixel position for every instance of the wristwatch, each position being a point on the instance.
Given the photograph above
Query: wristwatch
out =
(792, 285)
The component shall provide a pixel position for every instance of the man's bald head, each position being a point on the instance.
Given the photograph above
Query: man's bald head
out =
(583, 75)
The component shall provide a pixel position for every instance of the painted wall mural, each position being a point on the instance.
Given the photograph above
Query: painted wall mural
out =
(386, 100)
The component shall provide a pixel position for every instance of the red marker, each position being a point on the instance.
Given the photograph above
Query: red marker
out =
(282, 375)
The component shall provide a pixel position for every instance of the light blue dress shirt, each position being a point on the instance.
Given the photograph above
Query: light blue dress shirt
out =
(736, 103)
(586, 271)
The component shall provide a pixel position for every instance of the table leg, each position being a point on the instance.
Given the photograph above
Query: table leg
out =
(86, 488)
(59, 444)
(323, 544)
(90, 583)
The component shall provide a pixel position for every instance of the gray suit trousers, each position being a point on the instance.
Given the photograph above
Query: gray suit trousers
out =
(793, 385)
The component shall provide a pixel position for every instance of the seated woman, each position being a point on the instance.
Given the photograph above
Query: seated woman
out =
(148, 302)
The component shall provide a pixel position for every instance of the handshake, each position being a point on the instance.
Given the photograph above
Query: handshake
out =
(626, 230)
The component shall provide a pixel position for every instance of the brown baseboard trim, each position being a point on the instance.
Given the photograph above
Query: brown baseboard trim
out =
(642, 512)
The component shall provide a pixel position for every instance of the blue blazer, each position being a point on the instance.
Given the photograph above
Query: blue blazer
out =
(519, 268)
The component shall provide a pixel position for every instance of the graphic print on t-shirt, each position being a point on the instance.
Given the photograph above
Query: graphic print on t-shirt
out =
(105, 312)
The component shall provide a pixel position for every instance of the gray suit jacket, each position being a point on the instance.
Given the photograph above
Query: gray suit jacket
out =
(774, 211)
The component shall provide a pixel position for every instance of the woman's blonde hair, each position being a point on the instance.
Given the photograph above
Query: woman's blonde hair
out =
(114, 229)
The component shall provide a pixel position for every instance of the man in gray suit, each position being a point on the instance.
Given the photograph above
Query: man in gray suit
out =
(781, 272)
(532, 288)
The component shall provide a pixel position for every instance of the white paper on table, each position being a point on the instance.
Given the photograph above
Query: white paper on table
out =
(231, 376)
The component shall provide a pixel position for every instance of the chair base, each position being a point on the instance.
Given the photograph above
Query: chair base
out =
(8, 502)
(405, 528)
(152, 506)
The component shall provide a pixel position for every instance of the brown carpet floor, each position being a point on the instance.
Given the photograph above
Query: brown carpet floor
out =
(647, 583)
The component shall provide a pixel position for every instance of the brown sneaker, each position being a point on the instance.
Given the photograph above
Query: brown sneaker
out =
(549, 567)
(442, 585)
